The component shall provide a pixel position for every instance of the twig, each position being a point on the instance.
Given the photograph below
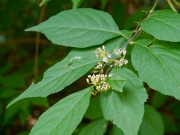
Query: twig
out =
(171, 5)
(137, 30)
(37, 42)
(176, 2)
(107, 71)
(152, 10)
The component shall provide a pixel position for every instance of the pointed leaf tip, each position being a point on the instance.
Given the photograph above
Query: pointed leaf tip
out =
(80, 28)
(63, 117)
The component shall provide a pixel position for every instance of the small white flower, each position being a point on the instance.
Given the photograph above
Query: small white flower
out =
(99, 65)
(98, 49)
(121, 60)
(125, 61)
(124, 51)
(100, 53)
(117, 51)
(105, 59)
(103, 47)
(98, 88)
(109, 55)
(110, 75)
(120, 64)
(87, 80)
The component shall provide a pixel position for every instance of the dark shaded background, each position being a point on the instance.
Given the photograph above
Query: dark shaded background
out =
(17, 54)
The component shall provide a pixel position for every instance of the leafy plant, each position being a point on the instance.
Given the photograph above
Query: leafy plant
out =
(103, 49)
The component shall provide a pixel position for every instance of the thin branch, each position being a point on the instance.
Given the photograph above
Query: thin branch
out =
(137, 31)
(171, 5)
(37, 42)
(176, 2)
(152, 10)
(138, 28)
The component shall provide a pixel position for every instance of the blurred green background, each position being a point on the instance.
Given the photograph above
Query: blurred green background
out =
(20, 50)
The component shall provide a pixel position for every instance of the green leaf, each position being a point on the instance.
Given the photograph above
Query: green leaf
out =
(79, 28)
(63, 117)
(170, 126)
(163, 25)
(97, 127)
(116, 82)
(77, 63)
(8, 93)
(116, 131)
(23, 117)
(94, 109)
(158, 99)
(174, 108)
(40, 101)
(158, 65)
(23, 133)
(125, 109)
(77, 3)
(62, 74)
(5, 67)
(43, 2)
(103, 2)
(152, 123)
(14, 80)
(17, 107)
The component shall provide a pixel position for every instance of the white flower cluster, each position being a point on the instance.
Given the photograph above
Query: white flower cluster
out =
(99, 65)
(99, 81)
(98, 68)
(101, 53)
(120, 61)
(118, 52)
